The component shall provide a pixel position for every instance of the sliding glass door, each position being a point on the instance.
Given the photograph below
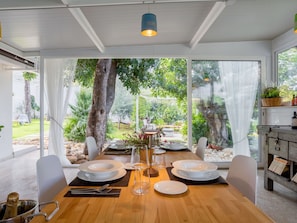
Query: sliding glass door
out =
(224, 107)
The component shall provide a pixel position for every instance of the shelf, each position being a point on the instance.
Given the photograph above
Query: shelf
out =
(279, 107)
(282, 180)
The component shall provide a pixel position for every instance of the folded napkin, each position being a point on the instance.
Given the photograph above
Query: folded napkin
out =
(219, 180)
(122, 182)
(112, 193)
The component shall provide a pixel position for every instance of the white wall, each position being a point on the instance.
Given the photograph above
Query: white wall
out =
(5, 113)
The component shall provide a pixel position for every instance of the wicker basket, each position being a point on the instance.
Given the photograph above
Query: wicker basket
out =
(269, 102)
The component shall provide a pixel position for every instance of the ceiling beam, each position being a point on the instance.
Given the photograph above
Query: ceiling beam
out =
(208, 21)
(84, 23)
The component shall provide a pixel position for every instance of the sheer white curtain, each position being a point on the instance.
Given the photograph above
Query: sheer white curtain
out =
(58, 74)
(240, 83)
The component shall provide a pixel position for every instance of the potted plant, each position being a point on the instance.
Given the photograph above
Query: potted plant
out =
(271, 97)
(1, 127)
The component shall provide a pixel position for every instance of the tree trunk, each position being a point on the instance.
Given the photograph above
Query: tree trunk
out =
(27, 100)
(216, 122)
(103, 97)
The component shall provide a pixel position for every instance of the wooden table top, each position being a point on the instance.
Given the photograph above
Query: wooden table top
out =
(201, 203)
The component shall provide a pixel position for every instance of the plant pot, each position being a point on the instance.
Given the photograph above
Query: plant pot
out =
(269, 102)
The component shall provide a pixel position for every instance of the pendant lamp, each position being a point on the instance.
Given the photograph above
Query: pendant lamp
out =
(295, 26)
(149, 24)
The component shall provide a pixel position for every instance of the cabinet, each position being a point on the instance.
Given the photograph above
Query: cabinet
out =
(279, 142)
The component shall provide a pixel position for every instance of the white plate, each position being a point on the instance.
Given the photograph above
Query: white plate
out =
(170, 187)
(118, 147)
(120, 174)
(194, 165)
(213, 176)
(174, 146)
(101, 166)
(159, 151)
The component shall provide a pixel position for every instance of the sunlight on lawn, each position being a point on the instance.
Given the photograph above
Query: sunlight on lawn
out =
(33, 128)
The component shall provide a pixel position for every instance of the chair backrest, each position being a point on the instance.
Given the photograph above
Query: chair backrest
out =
(92, 147)
(201, 146)
(243, 175)
(50, 177)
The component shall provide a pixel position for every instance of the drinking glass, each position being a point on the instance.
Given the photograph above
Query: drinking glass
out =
(140, 160)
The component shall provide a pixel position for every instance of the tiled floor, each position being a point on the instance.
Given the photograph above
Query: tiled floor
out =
(19, 174)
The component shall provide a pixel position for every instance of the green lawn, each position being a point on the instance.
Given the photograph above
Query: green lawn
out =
(33, 128)
(19, 131)
(118, 133)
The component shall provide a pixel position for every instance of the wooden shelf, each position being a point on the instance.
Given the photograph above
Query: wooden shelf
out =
(280, 142)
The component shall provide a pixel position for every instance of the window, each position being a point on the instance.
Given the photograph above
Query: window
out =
(224, 107)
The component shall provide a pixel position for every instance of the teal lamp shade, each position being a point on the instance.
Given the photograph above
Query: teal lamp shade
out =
(295, 26)
(149, 24)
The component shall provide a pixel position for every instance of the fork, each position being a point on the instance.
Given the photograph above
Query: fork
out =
(104, 188)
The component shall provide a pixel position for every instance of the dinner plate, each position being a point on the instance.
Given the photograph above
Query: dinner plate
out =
(194, 165)
(81, 175)
(100, 166)
(159, 151)
(213, 176)
(170, 187)
(174, 146)
(118, 147)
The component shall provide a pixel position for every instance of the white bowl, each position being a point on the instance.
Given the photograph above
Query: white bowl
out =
(100, 175)
(101, 169)
(194, 168)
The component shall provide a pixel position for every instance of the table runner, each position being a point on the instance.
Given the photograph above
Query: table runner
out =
(219, 180)
(122, 182)
(69, 194)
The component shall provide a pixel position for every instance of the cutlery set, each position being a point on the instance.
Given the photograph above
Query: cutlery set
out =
(104, 190)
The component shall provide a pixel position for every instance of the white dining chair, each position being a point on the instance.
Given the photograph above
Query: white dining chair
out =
(50, 177)
(201, 146)
(92, 147)
(242, 174)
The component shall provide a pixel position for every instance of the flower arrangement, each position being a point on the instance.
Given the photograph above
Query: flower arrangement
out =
(141, 138)
(136, 139)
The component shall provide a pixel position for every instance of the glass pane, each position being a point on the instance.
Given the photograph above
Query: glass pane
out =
(214, 82)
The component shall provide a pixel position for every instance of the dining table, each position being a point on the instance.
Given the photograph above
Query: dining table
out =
(202, 202)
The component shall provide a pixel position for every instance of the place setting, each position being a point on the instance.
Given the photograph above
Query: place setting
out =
(118, 148)
(195, 172)
(174, 146)
(101, 172)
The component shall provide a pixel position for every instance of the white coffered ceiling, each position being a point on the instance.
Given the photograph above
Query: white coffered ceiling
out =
(35, 25)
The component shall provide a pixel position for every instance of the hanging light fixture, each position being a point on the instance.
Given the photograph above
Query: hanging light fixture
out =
(295, 26)
(0, 31)
(149, 24)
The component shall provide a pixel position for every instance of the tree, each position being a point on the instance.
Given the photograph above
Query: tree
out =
(75, 126)
(206, 73)
(132, 72)
(28, 76)
(123, 103)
